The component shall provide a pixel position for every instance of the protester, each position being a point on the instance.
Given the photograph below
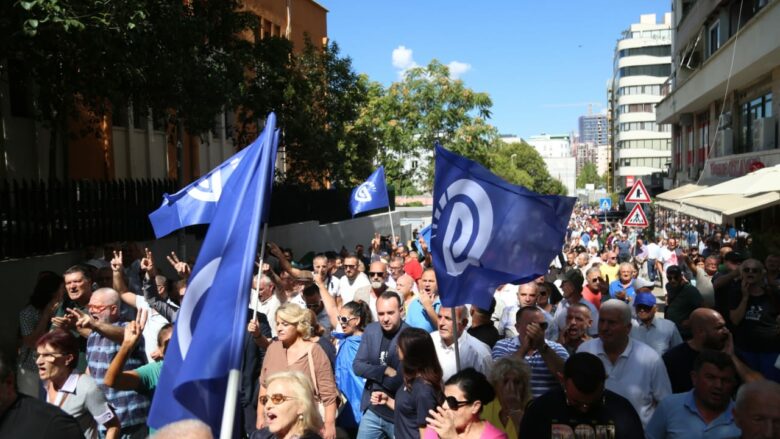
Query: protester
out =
(465, 395)
(594, 287)
(482, 327)
(757, 410)
(294, 351)
(77, 394)
(572, 294)
(682, 299)
(472, 352)
(655, 331)
(353, 318)
(622, 288)
(23, 416)
(578, 322)
(583, 407)
(34, 321)
(423, 310)
(289, 408)
(422, 389)
(511, 380)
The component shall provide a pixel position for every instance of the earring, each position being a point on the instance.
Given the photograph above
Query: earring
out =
(300, 416)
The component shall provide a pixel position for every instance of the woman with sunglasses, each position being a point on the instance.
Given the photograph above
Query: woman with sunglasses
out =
(294, 351)
(465, 394)
(511, 379)
(57, 353)
(288, 408)
(422, 389)
(353, 318)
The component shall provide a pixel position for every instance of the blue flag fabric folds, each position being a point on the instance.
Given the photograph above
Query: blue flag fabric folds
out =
(195, 203)
(207, 341)
(370, 195)
(487, 232)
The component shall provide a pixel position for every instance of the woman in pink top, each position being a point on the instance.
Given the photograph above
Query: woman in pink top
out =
(465, 393)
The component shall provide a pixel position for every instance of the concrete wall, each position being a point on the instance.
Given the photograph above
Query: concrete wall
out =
(19, 275)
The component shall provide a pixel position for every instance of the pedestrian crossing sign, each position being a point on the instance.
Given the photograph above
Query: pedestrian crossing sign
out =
(605, 204)
(636, 218)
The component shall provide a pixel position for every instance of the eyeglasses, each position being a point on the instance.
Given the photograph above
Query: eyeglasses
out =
(344, 319)
(595, 279)
(314, 305)
(454, 404)
(755, 270)
(46, 355)
(376, 273)
(97, 308)
(643, 308)
(349, 266)
(276, 398)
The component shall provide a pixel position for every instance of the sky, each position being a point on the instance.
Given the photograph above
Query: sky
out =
(541, 62)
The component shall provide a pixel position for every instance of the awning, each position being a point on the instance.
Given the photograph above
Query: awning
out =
(678, 192)
(720, 209)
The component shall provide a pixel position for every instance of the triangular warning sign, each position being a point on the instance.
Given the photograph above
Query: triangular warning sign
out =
(636, 218)
(638, 193)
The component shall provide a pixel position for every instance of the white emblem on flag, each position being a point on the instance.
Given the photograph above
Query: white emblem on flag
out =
(363, 193)
(196, 288)
(471, 217)
(210, 189)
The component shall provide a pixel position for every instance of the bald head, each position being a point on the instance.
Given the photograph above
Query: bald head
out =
(107, 296)
(404, 285)
(703, 318)
(757, 409)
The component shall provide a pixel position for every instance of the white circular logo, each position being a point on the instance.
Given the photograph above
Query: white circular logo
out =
(196, 288)
(364, 191)
(468, 212)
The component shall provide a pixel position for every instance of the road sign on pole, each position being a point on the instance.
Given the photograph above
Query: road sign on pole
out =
(605, 203)
(636, 218)
(638, 193)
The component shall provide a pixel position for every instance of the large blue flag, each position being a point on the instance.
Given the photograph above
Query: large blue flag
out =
(195, 203)
(208, 337)
(487, 232)
(370, 195)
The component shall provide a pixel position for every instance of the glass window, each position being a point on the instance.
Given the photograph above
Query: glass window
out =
(714, 37)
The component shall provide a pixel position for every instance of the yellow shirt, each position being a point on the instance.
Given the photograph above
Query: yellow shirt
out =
(609, 270)
(490, 413)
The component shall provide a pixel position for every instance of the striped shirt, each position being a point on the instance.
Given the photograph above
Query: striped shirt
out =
(542, 379)
(131, 407)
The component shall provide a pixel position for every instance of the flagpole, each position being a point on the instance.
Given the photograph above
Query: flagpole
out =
(260, 271)
(455, 337)
(229, 411)
(392, 228)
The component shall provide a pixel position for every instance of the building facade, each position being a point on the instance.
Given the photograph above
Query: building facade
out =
(642, 64)
(593, 129)
(556, 152)
(720, 97)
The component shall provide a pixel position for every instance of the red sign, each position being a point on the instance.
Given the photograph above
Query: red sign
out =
(630, 180)
(636, 218)
(638, 193)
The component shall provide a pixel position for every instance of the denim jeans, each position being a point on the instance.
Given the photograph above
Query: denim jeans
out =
(374, 427)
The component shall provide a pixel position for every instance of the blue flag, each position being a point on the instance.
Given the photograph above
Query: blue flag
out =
(487, 232)
(370, 195)
(194, 204)
(208, 337)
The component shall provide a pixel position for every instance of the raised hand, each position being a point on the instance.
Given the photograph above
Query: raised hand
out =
(116, 261)
(182, 268)
(443, 422)
(134, 330)
(147, 262)
(80, 318)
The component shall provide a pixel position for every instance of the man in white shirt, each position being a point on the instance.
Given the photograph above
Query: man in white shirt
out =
(473, 353)
(635, 371)
(526, 296)
(653, 251)
(351, 282)
(266, 301)
(572, 293)
(656, 332)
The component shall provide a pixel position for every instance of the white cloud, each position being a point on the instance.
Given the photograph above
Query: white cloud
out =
(402, 58)
(457, 69)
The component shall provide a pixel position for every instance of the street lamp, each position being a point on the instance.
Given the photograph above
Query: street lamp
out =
(512, 159)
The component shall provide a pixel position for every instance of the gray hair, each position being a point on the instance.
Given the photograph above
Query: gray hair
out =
(756, 390)
(189, 428)
(592, 270)
(617, 305)
(110, 294)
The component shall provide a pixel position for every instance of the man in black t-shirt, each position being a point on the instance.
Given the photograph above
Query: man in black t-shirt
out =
(482, 327)
(22, 416)
(583, 408)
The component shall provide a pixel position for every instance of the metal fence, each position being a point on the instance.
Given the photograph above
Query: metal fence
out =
(38, 217)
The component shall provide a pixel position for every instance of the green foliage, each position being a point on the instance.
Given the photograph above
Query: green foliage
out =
(520, 164)
(589, 175)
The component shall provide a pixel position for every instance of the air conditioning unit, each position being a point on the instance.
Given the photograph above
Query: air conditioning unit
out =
(763, 133)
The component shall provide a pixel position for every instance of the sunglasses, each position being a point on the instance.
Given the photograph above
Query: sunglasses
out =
(751, 270)
(276, 398)
(344, 319)
(643, 308)
(454, 404)
(313, 305)
(97, 308)
(376, 273)
(595, 279)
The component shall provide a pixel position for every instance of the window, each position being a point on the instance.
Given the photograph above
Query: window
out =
(661, 70)
(654, 90)
(714, 37)
(665, 50)
(750, 111)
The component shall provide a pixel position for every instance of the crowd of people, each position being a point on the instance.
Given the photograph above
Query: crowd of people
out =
(627, 335)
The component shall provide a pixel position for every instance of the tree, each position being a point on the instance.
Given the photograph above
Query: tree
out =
(519, 163)
(425, 106)
(589, 175)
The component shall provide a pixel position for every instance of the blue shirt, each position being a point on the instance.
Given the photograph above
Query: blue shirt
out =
(416, 316)
(615, 287)
(677, 417)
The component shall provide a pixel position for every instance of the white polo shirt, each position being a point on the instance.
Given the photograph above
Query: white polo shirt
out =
(639, 375)
(473, 353)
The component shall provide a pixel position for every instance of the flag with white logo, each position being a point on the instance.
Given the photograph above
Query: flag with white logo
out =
(208, 337)
(195, 203)
(487, 232)
(370, 195)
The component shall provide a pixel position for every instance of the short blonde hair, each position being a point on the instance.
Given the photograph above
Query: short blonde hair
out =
(301, 389)
(502, 367)
(295, 315)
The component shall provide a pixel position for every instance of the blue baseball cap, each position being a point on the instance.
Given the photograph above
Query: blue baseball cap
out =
(646, 299)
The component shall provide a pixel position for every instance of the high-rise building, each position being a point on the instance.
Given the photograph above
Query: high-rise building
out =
(642, 64)
(720, 98)
(593, 129)
(557, 155)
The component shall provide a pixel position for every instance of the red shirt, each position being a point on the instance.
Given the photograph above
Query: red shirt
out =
(590, 296)
(414, 269)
